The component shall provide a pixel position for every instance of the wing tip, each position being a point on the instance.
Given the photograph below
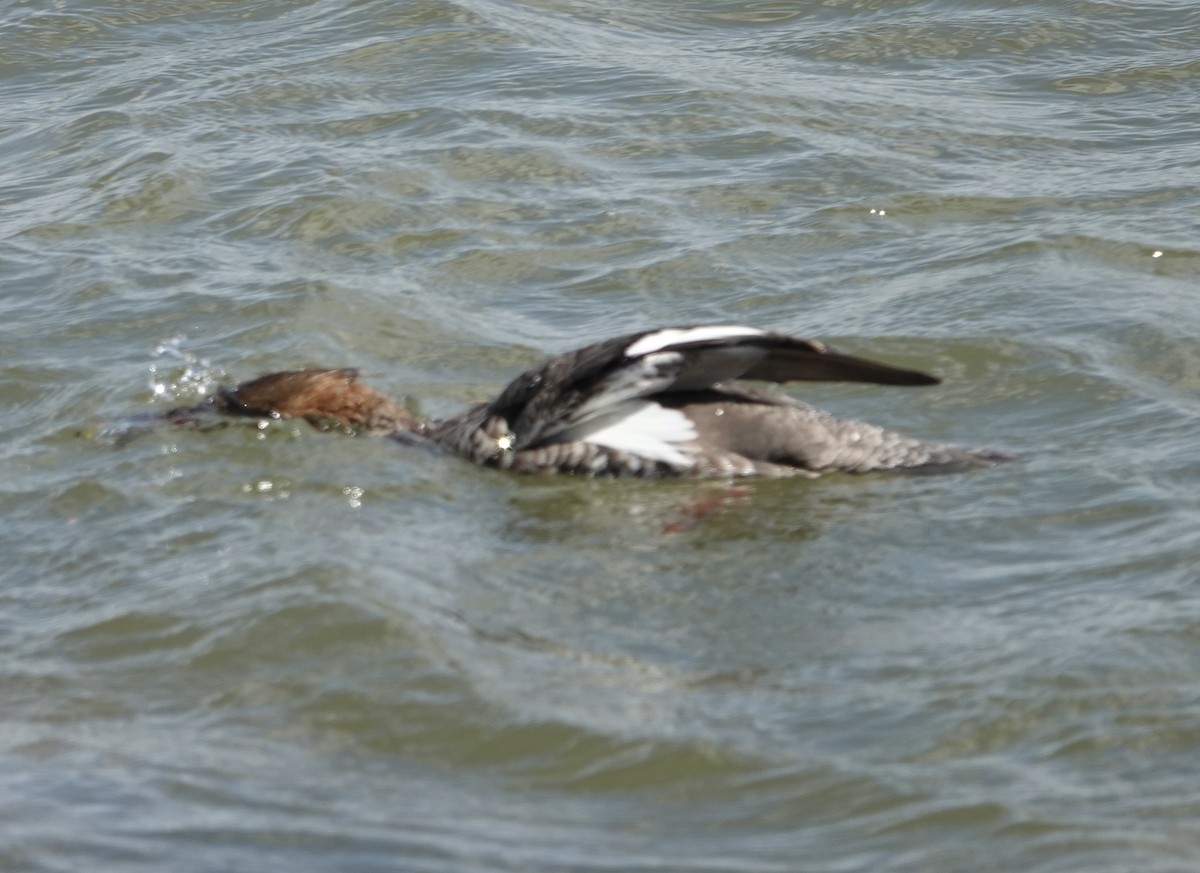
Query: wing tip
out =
(919, 378)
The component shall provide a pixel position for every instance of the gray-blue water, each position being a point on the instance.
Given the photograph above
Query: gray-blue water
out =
(283, 650)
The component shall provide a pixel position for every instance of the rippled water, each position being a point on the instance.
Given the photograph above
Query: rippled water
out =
(286, 650)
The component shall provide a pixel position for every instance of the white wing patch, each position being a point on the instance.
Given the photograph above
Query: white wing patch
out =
(661, 339)
(612, 398)
(643, 428)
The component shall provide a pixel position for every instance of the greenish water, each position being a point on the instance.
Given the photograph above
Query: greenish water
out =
(286, 650)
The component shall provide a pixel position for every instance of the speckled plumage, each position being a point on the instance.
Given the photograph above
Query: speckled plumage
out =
(655, 403)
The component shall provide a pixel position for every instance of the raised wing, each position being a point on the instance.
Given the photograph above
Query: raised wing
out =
(589, 391)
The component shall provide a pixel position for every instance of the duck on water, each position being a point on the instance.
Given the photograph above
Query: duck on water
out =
(661, 402)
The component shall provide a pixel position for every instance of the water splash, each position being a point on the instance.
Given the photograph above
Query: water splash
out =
(184, 376)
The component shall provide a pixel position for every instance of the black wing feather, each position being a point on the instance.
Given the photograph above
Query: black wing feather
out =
(542, 400)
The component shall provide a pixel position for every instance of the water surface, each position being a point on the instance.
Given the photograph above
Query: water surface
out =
(287, 650)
